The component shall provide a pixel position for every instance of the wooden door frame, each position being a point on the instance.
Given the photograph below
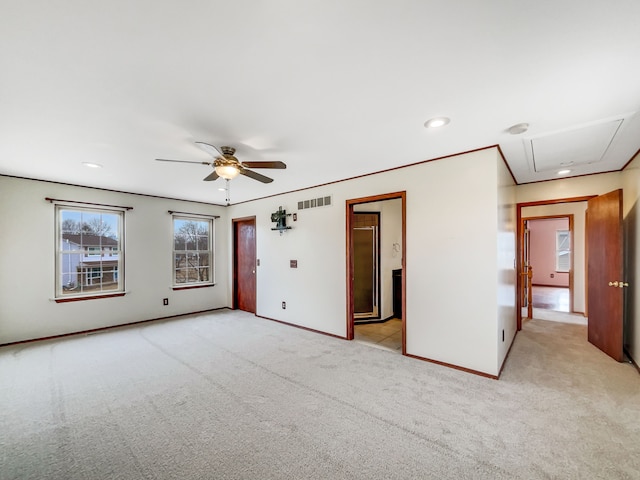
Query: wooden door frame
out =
(234, 282)
(568, 216)
(349, 257)
(520, 249)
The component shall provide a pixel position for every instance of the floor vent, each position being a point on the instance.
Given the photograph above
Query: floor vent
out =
(315, 202)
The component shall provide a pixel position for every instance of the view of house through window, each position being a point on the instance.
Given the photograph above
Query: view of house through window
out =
(89, 244)
(192, 251)
(563, 250)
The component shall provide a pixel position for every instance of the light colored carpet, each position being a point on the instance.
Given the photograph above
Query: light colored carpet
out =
(227, 395)
(555, 316)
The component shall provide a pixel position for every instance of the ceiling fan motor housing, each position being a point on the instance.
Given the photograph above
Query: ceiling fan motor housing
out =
(228, 150)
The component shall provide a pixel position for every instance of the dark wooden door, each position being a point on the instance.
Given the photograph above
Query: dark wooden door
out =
(605, 274)
(244, 264)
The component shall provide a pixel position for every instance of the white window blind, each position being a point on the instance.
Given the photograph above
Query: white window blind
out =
(563, 250)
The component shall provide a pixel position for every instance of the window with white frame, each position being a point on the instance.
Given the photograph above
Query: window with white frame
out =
(192, 251)
(89, 247)
(563, 250)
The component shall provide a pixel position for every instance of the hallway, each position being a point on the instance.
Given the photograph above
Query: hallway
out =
(551, 298)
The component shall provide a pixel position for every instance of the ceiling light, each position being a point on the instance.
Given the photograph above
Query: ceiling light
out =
(222, 189)
(563, 172)
(228, 172)
(91, 165)
(518, 128)
(436, 122)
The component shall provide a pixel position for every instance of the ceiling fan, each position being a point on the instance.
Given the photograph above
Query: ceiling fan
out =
(227, 166)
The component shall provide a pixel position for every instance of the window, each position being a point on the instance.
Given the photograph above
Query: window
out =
(192, 251)
(90, 256)
(563, 250)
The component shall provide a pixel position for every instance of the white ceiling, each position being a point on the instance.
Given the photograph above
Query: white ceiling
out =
(334, 89)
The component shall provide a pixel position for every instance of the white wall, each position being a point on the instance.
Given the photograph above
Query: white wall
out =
(27, 245)
(631, 195)
(506, 266)
(390, 259)
(451, 257)
(568, 187)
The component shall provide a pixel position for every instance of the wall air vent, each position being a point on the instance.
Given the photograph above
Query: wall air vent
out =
(315, 202)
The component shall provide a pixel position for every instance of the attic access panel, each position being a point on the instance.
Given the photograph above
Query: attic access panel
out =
(581, 146)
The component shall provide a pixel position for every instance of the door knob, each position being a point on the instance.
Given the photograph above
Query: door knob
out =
(613, 284)
(618, 284)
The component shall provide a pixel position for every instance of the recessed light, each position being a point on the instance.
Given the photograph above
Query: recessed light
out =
(563, 172)
(91, 165)
(436, 122)
(518, 128)
(221, 189)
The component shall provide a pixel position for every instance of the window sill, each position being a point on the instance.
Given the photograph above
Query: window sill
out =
(88, 297)
(190, 287)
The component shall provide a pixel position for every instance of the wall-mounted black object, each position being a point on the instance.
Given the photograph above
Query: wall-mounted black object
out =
(280, 217)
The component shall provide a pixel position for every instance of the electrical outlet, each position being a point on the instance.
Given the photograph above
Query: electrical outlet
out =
(165, 301)
(284, 305)
(552, 275)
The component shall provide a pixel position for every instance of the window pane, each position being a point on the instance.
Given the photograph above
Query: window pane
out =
(181, 275)
(563, 251)
(203, 242)
(204, 274)
(178, 242)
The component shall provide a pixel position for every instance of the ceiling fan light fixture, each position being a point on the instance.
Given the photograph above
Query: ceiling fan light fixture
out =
(436, 122)
(228, 172)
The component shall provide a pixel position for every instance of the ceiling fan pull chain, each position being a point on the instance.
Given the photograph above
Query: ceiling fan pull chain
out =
(228, 191)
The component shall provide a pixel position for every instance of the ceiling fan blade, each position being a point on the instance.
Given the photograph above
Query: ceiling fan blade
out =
(182, 161)
(210, 149)
(255, 175)
(280, 165)
(212, 176)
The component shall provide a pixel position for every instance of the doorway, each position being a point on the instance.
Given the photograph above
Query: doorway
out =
(548, 252)
(549, 214)
(389, 324)
(244, 264)
(602, 254)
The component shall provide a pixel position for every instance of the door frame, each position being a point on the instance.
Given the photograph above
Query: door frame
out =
(349, 204)
(568, 216)
(234, 282)
(520, 249)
